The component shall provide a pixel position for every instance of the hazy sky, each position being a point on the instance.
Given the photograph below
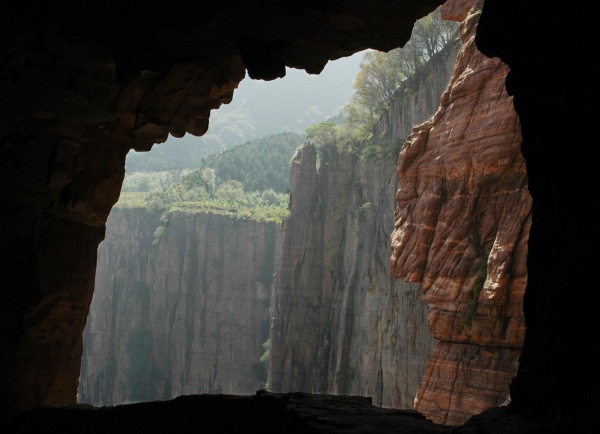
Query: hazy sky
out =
(259, 108)
(293, 102)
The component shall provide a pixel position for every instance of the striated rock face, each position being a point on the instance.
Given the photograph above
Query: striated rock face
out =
(462, 225)
(341, 324)
(185, 314)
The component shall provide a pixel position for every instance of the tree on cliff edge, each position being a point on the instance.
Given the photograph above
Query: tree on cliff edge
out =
(382, 74)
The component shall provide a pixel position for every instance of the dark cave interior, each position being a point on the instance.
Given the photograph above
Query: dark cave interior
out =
(82, 85)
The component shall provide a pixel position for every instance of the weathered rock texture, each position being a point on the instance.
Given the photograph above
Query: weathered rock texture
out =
(82, 85)
(187, 314)
(462, 225)
(341, 324)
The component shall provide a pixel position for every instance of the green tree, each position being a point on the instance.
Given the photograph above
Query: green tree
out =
(322, 134)
(382, 74)
(232, 189)
(258, 164)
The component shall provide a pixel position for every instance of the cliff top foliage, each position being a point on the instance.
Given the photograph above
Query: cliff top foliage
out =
(229, 199)
(250, 181)
(383, 76)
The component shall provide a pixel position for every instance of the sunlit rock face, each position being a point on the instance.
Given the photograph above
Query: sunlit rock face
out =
(462, 225)
(340, 323)
(183, 313)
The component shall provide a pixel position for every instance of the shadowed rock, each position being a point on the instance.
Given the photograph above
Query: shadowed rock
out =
(264, 412)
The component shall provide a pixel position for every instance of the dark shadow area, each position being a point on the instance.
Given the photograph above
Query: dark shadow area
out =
(267, 413)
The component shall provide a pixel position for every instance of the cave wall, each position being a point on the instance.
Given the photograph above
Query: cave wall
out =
(341, 324)
(67, 128)
(557, 377)
(183, 313)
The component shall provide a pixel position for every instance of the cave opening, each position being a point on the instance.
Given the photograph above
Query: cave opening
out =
(193, 284)
(76, 101)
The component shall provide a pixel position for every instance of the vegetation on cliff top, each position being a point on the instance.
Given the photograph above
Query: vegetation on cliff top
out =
(381, 77)
(248, 182)
(259, 165)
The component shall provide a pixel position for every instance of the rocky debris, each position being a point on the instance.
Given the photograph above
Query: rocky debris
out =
(340, 323)
(462, 225)
(262, 413)
(186, 312)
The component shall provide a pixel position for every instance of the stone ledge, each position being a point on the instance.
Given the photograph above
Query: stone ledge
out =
(263, 413)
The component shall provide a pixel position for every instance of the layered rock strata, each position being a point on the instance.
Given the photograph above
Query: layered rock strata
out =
(462, 225)
(183, 313)
(341, 324)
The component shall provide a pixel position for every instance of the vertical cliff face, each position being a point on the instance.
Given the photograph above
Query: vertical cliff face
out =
(462, 226)
(183, 313)
(340, 323)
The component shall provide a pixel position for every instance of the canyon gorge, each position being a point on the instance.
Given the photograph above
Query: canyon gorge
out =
(183, 313)
(347, 260)
(340, 323)
(82, 86)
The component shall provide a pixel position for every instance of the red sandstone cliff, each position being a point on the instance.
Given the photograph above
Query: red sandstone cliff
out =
(462, 226)
(187, 314)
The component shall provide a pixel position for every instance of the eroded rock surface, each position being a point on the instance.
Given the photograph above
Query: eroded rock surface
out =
(462, 225)
(181, 314)
(341, 324)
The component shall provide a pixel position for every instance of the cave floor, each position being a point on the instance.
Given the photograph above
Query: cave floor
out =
(263, 413)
